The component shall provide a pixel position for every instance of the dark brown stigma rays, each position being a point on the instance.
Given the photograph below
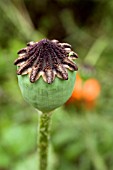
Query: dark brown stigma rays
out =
(46, 58)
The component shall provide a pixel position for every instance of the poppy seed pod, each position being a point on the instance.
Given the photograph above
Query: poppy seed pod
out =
(42, 73)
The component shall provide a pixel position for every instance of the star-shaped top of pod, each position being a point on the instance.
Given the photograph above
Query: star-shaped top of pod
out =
(46, 58)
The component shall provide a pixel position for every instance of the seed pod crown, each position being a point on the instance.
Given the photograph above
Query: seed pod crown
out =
(46, 58)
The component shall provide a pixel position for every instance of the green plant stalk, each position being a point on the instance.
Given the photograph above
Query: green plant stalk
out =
(96, 50)
(43, 140)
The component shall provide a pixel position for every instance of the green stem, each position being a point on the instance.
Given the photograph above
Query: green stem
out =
(43, 140)
(96, 50)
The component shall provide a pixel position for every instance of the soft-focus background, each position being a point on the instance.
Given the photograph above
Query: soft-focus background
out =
(82, 130)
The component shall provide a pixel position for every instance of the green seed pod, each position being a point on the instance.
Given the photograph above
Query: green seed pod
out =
(42, 73)
(46, 97)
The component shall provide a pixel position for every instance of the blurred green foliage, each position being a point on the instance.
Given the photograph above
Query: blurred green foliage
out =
(80, 139)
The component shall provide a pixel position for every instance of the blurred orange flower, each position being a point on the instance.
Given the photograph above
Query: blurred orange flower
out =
(77, 92)
(85, 92)
(91, 89)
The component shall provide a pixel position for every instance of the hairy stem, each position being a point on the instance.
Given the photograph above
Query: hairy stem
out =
(43, 140)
